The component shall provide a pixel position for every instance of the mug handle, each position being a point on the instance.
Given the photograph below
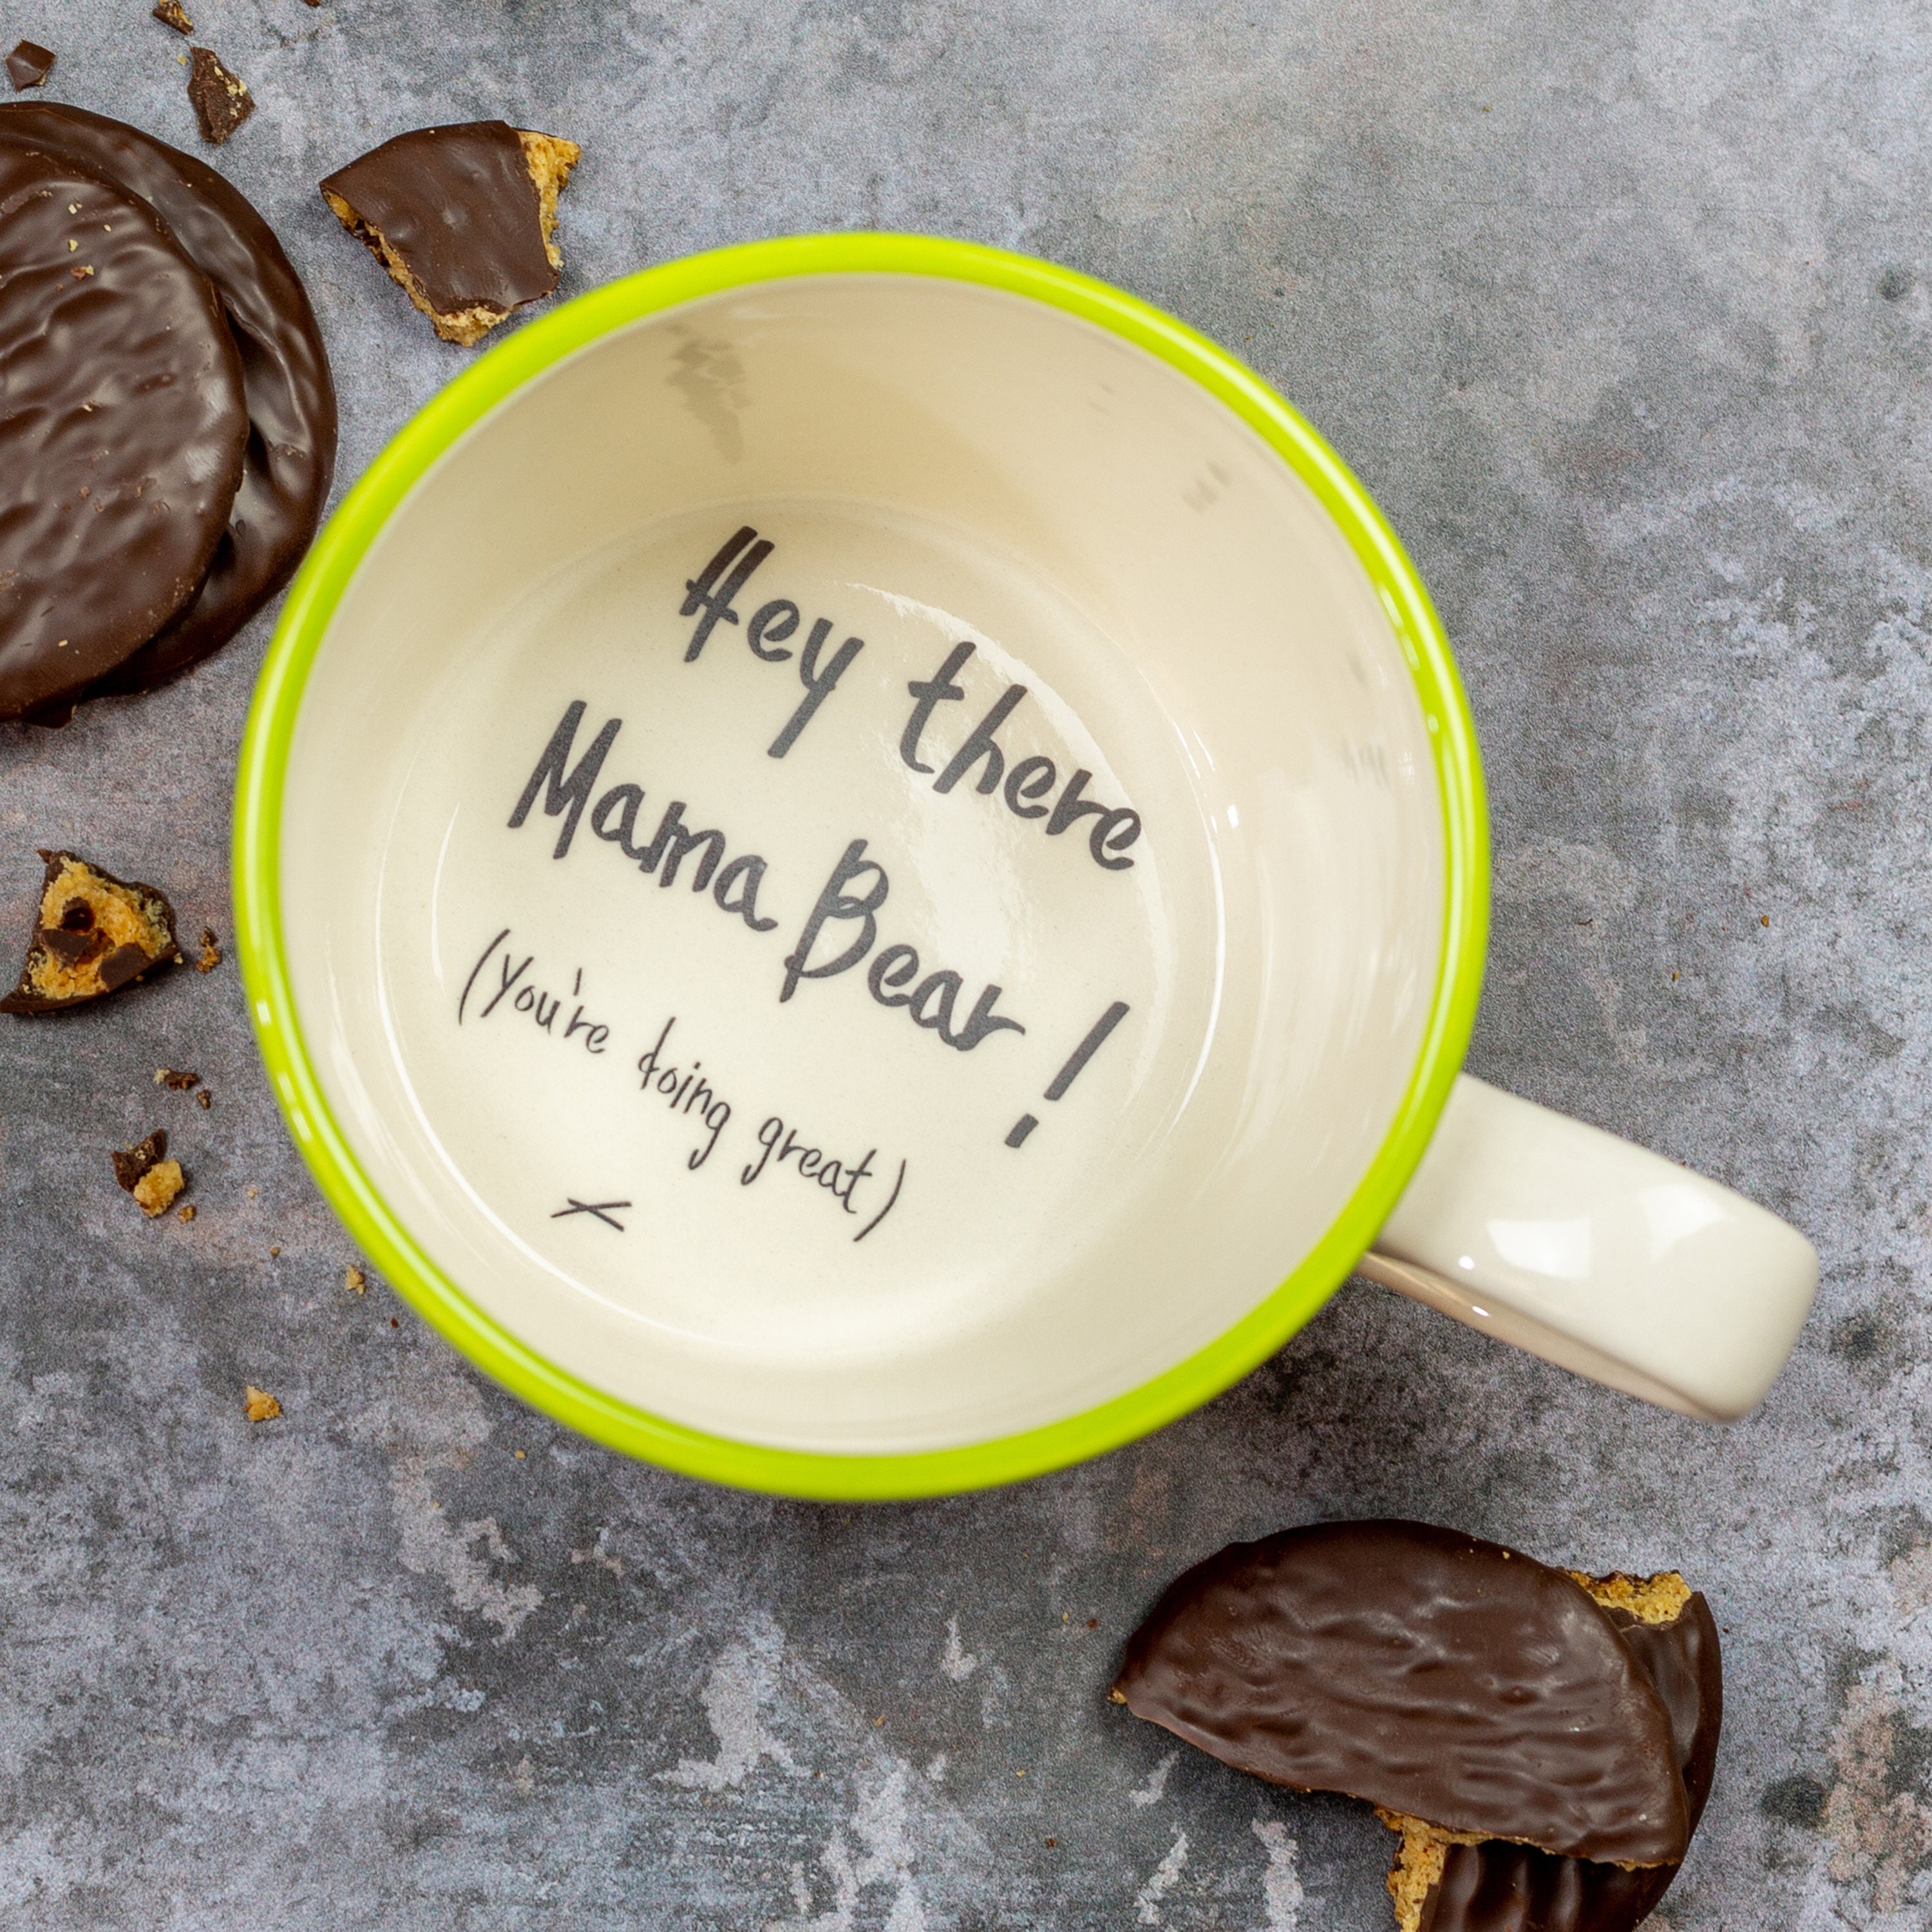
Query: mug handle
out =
(1597, 1256)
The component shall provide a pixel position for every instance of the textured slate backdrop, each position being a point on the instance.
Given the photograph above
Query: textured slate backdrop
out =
(1620, 311)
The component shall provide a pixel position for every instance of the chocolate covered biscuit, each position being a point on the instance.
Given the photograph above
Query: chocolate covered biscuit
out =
(463, 217)
(1492, 1887)
(122, 440)
(1439, 1677)
(290, 457)
(93, 934)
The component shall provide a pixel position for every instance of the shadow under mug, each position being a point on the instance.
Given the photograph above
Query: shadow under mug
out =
(861, 868)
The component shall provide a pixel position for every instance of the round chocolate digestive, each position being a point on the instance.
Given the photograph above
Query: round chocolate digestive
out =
(290, 455)
(122, 424)
(1431, 1673)
(1499, 1888)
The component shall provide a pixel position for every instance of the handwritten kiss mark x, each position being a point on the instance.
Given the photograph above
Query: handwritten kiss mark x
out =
(599, 1208)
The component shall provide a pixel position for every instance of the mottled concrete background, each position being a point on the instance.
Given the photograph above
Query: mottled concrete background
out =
(1622, 312)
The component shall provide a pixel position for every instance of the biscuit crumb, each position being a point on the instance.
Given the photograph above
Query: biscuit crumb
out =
(130, 1163)
(211, 953)
(273, 1253)
(220, 99)
(355, 1281)
(177, 1078)
(262, 1406)
(204, 1098)
(157, 1189)
(185, 1213)
(251, 1192)
(519, 1455)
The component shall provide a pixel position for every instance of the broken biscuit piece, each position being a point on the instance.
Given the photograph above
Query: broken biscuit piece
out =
(261, 1406)
(145, 1171)
(220, 99)
(94, 933)
(1459, 1885)
(463, 218)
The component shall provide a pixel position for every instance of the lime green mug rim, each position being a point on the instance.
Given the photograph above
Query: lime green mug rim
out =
(388, 1244)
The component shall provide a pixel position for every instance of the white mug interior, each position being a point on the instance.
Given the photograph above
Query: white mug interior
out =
(599, 1063)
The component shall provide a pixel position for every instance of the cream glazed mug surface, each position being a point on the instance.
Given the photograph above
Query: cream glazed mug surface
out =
(861, 867)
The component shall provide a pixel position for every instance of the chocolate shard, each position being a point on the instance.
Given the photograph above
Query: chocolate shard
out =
(29, 65)
(93, 935)
(131, 1164)
(463, 217)
(172, 13)
(1498, 1887)
(1435, 1675)
(220, 99)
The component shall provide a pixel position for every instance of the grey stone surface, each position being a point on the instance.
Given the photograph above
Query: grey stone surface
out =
(1623, 312)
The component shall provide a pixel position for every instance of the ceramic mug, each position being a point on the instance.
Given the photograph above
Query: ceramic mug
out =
(862, 867)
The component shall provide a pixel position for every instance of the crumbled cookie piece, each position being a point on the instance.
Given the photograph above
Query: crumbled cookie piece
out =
(355, 1281)
(463, 218)
(220, 99)
(261, 1406)
(94, 934)
(211, 953)
(185, 1213)
(156, 1190)
(29, 65)
(174, 1077)
(171, 13)
(130, 1163)
(205, 1098)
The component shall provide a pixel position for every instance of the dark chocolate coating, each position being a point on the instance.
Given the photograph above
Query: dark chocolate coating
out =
(1497, 1887)
(1427, 1672)
(290, 456)
(122, 424)
(29, 65)
(458, 205)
